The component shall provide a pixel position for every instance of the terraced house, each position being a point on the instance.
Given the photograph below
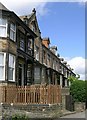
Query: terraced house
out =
(25, 57)
(31, 70)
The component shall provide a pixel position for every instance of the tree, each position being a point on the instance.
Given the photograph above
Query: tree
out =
(78, 90)
(72, 78)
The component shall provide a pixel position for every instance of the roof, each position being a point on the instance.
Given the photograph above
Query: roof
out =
(45, 39)
(22, 17)
(29, 15)
(2, 7)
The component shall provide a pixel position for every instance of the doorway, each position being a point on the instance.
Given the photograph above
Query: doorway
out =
(21, 75)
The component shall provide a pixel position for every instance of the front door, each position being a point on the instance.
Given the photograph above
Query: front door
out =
(21, 74)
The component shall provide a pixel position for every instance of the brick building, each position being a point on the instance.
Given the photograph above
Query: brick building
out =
(25, 57)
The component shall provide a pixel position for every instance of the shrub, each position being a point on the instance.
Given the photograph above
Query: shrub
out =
(20, 117)
(78, 90)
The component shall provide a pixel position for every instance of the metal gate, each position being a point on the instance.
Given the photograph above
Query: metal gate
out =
(69, 103)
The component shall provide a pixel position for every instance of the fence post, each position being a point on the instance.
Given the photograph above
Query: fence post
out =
(25, 94)
(5, 94)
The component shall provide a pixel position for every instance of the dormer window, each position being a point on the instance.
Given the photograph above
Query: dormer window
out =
(3, 27)
(33, 27)
(25, 20)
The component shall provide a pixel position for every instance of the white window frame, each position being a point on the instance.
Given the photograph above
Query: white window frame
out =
(3, 65)
(4, 26)
(13, 68)
(37, 53)
(14, 31)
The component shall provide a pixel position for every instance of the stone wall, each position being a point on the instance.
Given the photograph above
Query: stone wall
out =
(32, 110)
(78, 106)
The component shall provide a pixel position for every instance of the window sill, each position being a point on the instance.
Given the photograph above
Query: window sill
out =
(2, 79)
(11, 81)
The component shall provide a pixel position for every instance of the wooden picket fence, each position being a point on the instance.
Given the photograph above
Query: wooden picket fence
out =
(34, 94)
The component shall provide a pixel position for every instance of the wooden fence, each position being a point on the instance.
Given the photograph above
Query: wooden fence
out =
(34, 94)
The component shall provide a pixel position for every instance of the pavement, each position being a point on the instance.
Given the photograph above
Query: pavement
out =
(75, 115)
(65, 114)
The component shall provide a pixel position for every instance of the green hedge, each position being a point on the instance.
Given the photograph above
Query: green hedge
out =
(78, 90)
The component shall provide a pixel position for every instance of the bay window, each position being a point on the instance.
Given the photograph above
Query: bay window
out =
(12, 31)
(2, 66)
(11, 69)
(3, 27)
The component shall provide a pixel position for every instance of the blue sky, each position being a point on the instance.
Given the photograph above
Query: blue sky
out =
(65, 25)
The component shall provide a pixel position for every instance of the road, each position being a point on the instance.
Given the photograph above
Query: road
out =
(76, 115)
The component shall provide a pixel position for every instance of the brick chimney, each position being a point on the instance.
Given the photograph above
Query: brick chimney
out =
(46, 42)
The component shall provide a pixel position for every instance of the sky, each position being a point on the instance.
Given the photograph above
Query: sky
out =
(63, 22)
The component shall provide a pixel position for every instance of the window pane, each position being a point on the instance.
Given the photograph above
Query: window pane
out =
(37, 75)
(13, 26)
(2, 31)
(1, 59)
(22, 47)
(3, 21)
(11, 35)
(11, 61)
(12, 31)
(1, 72)
(10, 73)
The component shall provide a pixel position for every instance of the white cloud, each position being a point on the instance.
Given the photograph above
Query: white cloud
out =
(22, 7)
(78, 64)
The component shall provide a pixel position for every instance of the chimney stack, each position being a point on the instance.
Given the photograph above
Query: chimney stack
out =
(53, 49)
(46, 42)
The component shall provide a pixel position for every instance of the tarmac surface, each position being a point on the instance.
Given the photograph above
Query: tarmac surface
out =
(76, 115)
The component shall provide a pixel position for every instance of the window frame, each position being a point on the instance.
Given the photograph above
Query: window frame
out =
(29, 46)
(13, 31)
(22, 41)
(12, 68)
(37, 53)
(3, 79)
(22, 45)
(4, 26)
